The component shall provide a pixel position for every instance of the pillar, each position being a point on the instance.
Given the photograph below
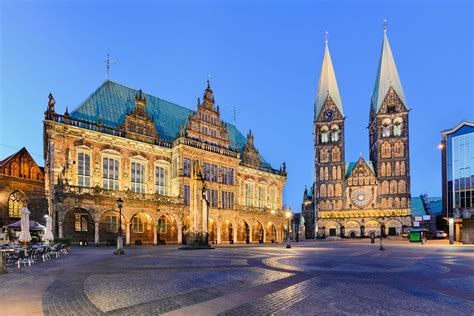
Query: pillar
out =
(264, 235)
(235, 234)
(96, 232)
(250, 234)
(219, 234)
(127, 233)
(180, 233)
(451, 230)
(155, 235)
(457, 231)
(60, 229)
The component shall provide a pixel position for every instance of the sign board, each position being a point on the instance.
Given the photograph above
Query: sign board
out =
(416, 224)
(418, 218)
(426, 217)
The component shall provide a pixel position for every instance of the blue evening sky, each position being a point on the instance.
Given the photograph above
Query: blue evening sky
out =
(264, 58)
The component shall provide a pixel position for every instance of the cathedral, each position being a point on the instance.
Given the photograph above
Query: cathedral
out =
(364, 197)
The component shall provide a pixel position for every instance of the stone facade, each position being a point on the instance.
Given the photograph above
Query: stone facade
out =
(164, 183)
(21, 184)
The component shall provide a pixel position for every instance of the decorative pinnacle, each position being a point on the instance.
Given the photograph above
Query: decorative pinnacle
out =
(326, 37)
(385, 25)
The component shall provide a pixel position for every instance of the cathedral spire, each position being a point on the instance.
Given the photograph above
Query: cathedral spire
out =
(387, 76)
(327, 85)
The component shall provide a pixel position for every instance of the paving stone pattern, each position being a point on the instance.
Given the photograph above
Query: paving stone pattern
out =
(312, 278)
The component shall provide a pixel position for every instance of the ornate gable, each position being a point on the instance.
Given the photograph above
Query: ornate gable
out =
(206, 124)
(392, 103)
(250, 154)
(329, 111)
(138, 124)
(21, 165)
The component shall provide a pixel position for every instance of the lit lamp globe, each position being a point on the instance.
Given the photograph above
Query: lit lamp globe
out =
(288, 215)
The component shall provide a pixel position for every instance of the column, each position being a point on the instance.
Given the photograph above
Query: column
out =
(60, 229)
(127, 233)
(96, 232)
(180, 234)
(250, 234)
(155, 235)
(235, 234)
(218, 234)
(264, 235)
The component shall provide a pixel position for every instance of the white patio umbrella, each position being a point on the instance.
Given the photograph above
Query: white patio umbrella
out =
(25, 225)
(48, 234)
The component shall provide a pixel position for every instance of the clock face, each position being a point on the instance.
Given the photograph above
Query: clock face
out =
(361, 198)
(329, 115)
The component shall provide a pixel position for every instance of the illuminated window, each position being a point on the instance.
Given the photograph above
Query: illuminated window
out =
(80, 222)
(262, 196)
(137, 179)
(137, 225)
(249, 193)
(161, 227)
(110, 173)
(186, 194)
(83, 169)
(111, 223)
(161, 180)
(16, 201)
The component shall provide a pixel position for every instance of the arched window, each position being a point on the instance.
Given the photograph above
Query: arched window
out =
(339, 173)
(321, 173)
(383, 203)
(399, 149)
(324, 134)
(397, 169)
(403, 203)
(390, 202)
(330, 190)
(401, 186)
(386, 150)
(336, 154)
(402, 168)
(324, 155)
(322, 190)
(339, 205)
(334, 172)
(383, 171)
(393, 187)
(397, 126)
(338, 189)
(386, 127)
(335, 133)
(16, 201)
(385, 187)
(326, 173)
(389, 169)
(396, 203)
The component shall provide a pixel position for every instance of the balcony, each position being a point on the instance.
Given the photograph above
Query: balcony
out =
(63, 189)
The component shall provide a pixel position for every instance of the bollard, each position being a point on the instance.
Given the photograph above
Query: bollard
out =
(381, 244)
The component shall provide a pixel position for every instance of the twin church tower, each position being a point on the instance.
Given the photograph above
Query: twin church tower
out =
(365, 197)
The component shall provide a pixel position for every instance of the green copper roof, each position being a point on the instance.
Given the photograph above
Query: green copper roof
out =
(351, 165)
(327, 85)
(387, 76)
(112, 101)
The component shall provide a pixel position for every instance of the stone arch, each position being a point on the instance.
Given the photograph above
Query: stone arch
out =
(271, 233)
(243, 231)
(108, 226)
(16, 200)
(332, 228)
(258, 232)
(394, 227)
(141, 229)
(372, 227)
(352, 228)
(79, 224)
(167, 229)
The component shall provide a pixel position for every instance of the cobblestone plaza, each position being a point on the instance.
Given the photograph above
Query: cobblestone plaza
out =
(310, 278)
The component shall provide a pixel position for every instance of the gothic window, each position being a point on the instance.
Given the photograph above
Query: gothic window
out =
(334, 205)
(393, 187)
(16, 201)
(161, 226)
(402, 168)
(356, 181)
(330, 190)
(187, 167)
(366, 181)
(336, 154)
(386, 127)
(339, 205)
(398, 126)
(324, 155)
(399, 149)
(383, 203)
(322, 190)
(339, 173)
(14, 170)
(338, 189)
(110, 173)
(326, 173)
(186, 194)
(390, 202)
(137, 177)
(396, 203)
(262, 196)
(324, 134)
(321, 173)
(383, 170)
(401, 186)
(83, 169)
(386, 150)
(161, 180)
(385, 187)
(334, 173)
(228, 200)
(389, 169)
(335, 132)
(397, 168)
(403, 203)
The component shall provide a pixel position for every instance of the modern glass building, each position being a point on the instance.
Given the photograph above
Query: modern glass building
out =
(458, 178)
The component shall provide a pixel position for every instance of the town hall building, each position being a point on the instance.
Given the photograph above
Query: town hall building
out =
(364, 197)
(165, 162)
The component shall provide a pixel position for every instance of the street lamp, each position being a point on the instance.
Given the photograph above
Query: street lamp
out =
(288, 215)
(119, 250)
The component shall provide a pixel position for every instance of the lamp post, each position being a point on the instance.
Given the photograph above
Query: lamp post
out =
(451, 231)
(119, 250)
(288, 215)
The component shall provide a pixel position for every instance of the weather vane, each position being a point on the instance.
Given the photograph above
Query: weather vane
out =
(109, 62)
